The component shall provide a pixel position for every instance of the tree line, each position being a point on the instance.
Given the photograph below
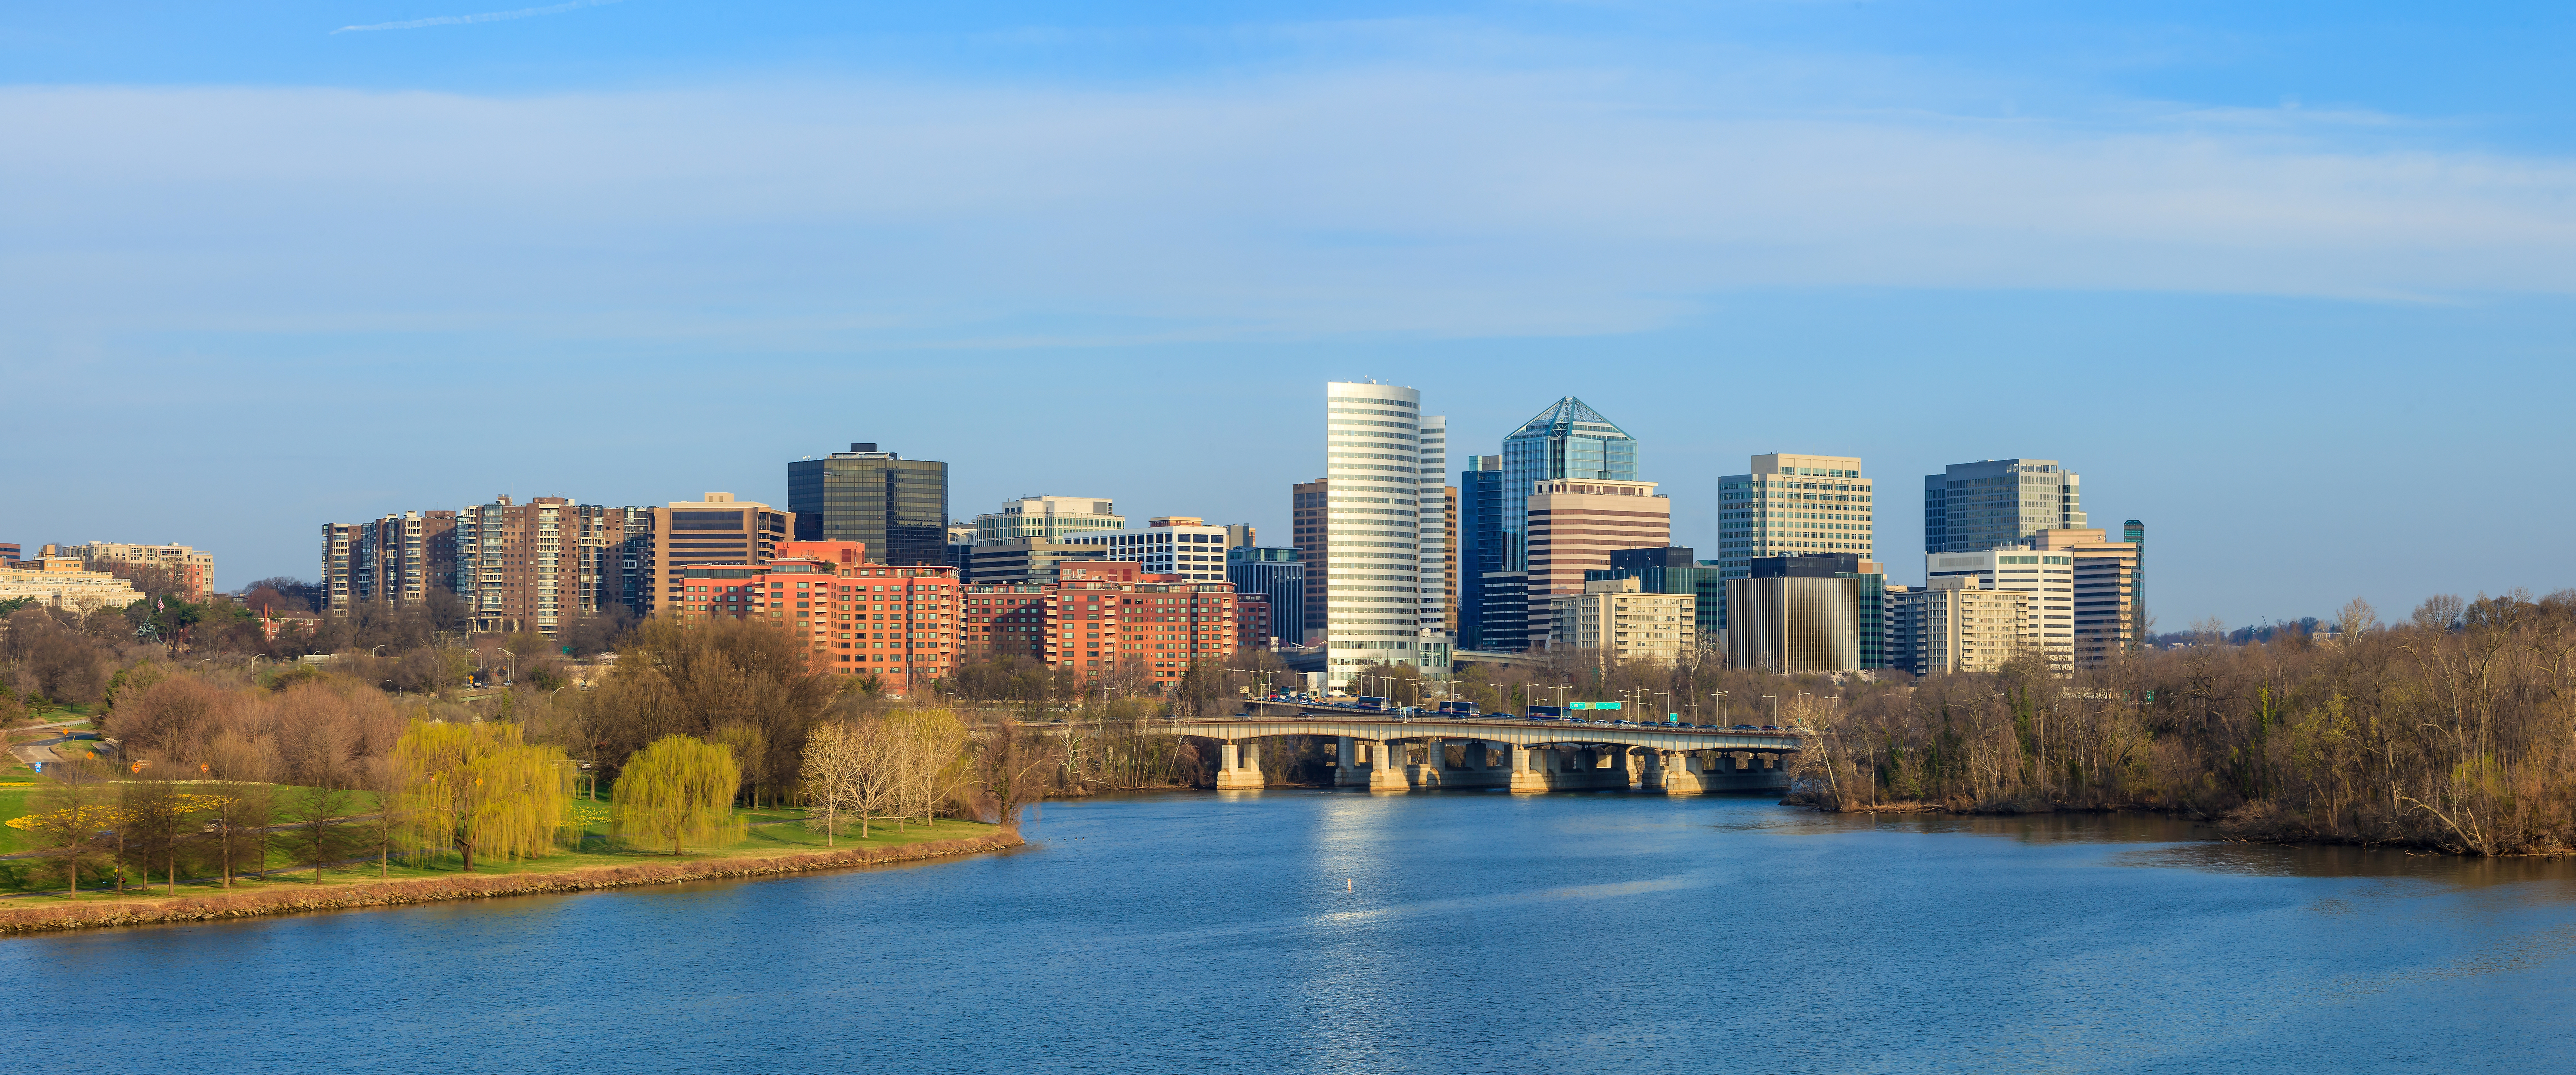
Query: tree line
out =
(220, 767)
(2455, 729)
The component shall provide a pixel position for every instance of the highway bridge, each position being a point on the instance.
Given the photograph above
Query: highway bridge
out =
(1385, 751)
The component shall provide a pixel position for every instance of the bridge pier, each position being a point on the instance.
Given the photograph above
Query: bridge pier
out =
(1426, 773)
(1349, 769)
(1386, 770)
(1529, 776)
(1241, 769)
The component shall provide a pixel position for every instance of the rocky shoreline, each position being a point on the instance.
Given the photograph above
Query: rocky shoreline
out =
(19, 921)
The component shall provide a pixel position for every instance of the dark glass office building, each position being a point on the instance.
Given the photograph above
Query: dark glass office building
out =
(1279, 575)
(897, 506)
(1480, 542)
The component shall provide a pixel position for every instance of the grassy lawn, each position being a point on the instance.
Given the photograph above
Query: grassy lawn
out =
(13, 803)
(770, 832)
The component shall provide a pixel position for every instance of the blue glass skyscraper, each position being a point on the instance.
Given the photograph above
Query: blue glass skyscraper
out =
(1480, 542)
(1567, 440)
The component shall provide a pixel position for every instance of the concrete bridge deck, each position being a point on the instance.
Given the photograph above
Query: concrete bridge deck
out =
(1379, 751)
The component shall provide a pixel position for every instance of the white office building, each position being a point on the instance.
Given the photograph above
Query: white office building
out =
(1169, 545)
(1431, 493)
(2049, 579)
(1383, 520)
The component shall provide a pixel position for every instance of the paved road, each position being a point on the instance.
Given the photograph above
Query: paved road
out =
(42, 750)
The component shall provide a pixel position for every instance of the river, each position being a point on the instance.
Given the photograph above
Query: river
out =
(1342, 932)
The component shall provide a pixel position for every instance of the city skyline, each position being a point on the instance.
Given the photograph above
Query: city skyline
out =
(1898, 526)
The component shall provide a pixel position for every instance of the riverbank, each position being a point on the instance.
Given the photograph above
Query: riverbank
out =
(2253, 823)
(346, 895)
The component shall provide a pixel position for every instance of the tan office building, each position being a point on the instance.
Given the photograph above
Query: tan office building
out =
(2049, 579)
(1793, 623)
(196, 569)
(2106, 591)
(1574, 526)
(65, 582)
(715, 530)
(1615, 619)
(1957, 627)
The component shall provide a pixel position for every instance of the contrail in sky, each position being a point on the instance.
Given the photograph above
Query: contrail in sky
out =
(488, 16)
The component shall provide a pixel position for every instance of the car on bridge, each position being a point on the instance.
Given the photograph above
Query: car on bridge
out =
(1743, 727)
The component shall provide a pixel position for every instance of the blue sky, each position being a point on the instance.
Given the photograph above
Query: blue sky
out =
(2280, 282)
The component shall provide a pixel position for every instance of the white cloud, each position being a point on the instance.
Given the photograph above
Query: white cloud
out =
(1438, 202)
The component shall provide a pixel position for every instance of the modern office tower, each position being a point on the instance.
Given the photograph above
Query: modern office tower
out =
(1480, 542)
(2135, 533)
(961, 549)
(339, 582)
(1181, 545)
(1996, 503)
(1567, 440)
(1670, 569)
(1252, 628)
(1506, 613)
(1054, 517)
(2105, 591)
(401, 557)
(2049, 579)
(715, 530)
(1241, 536)
(1373, 569)
(9, 552)
(1790, 505)
(1574, 526)
(896, 507)
(1279, 576)
(855, 617)
(1618, 623)
(1101, 618)
(1030, 561)
(1311, 533)
(196, 569)
(64, 582)
(1431, 483)
(1953, 626)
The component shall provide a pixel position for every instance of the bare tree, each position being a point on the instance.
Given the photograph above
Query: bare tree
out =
(834, 775)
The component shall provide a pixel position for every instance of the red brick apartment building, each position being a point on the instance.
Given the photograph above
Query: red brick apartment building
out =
(858, 617)
(1104, 615)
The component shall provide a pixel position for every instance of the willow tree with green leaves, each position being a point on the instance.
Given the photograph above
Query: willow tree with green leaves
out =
(480, 789)
(678, 789)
